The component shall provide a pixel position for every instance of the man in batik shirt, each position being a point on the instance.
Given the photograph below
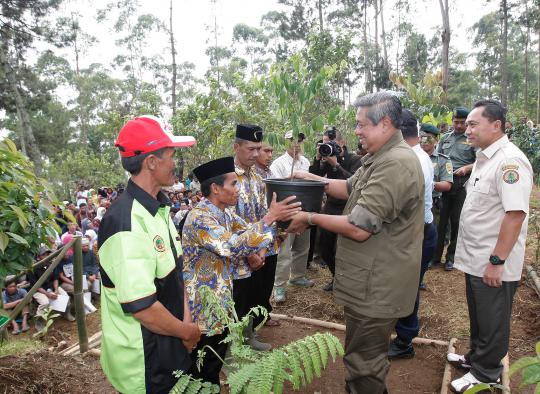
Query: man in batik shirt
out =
(214, 239)
(254, 276)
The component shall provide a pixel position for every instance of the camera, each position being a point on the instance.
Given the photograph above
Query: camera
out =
(331, 148)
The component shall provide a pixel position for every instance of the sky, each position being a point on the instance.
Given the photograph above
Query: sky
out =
(192, 18)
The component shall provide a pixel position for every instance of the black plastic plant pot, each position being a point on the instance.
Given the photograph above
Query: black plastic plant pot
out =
(308, 192)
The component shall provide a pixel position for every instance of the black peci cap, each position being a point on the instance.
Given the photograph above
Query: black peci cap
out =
(214, 168)
(249, 132)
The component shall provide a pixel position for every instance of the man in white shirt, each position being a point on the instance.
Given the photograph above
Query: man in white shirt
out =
(178, 186)
(292, 258)
(408, 327)
(491, 242)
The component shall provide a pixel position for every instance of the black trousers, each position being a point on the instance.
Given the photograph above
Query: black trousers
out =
(490, 310)
(452, 203)
(255, 290)
(211, 363)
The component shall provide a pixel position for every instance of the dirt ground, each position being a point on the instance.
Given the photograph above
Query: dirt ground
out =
(443, 314)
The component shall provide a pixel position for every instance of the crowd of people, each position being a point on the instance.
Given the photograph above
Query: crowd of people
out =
(409, 197)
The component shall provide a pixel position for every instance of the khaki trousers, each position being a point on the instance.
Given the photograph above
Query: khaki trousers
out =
(43, 300)
(292, 258)
(366, 352)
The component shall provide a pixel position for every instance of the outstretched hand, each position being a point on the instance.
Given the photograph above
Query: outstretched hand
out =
(283, 210)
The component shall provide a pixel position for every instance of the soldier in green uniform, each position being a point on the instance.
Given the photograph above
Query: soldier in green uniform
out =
(454, 145)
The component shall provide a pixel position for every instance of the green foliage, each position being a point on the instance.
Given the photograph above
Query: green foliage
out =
(188, 385)
(26, 211)
(530, 370)
(83, 166)
(529, 142)
(49, 315)
(424, 98)
(261, 372)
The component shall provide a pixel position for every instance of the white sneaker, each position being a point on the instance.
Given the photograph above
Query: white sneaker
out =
(458, 361)
(465, 382)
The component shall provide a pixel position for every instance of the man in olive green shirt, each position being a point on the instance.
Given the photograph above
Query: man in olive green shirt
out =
(379, 243)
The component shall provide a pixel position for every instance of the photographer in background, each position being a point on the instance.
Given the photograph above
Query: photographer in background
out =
(334, 161)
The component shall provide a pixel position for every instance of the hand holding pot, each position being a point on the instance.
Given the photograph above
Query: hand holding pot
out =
(283, 210)
(307, 175)
(299, 223)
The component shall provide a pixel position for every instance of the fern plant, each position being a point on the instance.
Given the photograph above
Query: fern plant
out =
(259, 372)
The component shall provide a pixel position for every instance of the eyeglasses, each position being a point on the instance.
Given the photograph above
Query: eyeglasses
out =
(428, 140)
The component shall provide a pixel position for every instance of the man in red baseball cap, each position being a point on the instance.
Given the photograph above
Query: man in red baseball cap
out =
(146, 322)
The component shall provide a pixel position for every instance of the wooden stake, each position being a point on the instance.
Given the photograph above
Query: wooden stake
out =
(80, 316)
(447, 375)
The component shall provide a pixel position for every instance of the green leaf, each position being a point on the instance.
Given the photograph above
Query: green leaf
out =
(478, 387)
(538, 348)
(4, 241)
(531, 375)
(23, 220)
(17, 238)
(523, 363)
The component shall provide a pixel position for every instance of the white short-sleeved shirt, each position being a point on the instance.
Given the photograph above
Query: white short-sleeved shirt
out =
(501, 181)
(427, 170)
(281, 167)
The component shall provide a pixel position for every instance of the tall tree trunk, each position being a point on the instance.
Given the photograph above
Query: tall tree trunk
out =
(28, 142)
(321, 28)
(504, 57)
(445, 38)
(83, 113)
(376, 6)
(179, 153)
(173, 55)
(369, 85)
(383, 35)
(538, 80)
(527, 41)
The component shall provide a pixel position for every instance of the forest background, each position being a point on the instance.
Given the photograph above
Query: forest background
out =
(299, 66)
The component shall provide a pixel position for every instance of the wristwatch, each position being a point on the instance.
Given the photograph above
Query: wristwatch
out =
(496, 260)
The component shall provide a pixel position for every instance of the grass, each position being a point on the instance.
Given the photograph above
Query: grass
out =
(20, 345)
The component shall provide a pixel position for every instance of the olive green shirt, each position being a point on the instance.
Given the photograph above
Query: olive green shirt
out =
(379, 277)
(457, 148)
(442, 170)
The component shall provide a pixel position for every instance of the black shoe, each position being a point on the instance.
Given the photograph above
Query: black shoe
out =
(449, 266)
(422, 286)
(400, 349)
(329, 286)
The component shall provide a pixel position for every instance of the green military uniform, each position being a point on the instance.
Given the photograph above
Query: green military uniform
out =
(461, 153)
(139, 256)
(443, 171)
(376, 283)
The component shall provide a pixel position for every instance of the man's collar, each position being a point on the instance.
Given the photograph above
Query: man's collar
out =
(208, 205)
(240, 170)
(395, 140)
(494, 147)
(150, 203)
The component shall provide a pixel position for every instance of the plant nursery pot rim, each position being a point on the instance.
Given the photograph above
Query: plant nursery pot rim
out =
(295, 182)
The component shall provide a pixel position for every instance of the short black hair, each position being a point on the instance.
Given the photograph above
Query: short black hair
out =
(205, 185)
(10, 281)
(493, 111)
(409, 124)
(133, 164)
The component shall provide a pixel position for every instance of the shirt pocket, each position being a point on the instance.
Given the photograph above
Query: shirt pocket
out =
(353, 275)
(479, 192)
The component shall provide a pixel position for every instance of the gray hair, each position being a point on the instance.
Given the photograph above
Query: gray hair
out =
(381, 104)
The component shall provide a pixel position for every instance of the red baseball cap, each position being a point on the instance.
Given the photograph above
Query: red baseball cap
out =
(147, 133)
